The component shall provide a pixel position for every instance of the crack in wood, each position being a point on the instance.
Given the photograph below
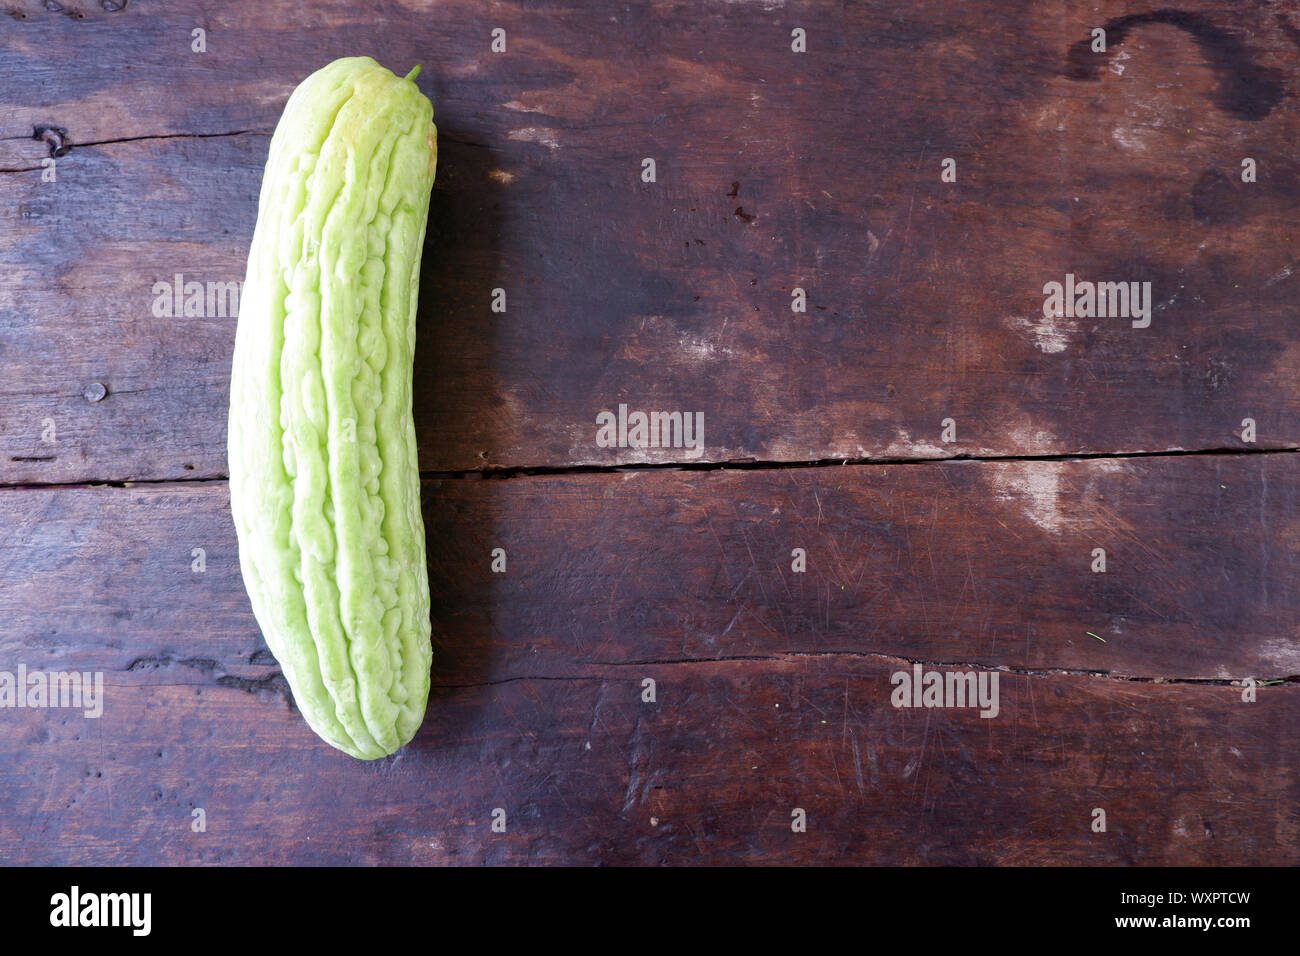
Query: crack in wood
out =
(527, 471)
(64, 146)
(275, 682)
(272, 683)
(787, 656)
(137, 139)
(523, 471)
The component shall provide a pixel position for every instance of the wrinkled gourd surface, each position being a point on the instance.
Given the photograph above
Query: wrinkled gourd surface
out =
(324, 481)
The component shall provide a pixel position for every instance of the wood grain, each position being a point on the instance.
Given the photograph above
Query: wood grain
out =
(775, 170)
(981, 563)
(710, 773)
(772, 688)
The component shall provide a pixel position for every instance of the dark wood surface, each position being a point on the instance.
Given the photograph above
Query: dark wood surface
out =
(774, 170)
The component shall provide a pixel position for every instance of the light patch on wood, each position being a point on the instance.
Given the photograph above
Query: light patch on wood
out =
(1028, 440)
(904, 446)
(501, 176)
(696, 350)
(1037, 487)
(1058, 496)
(1048, 334)
(1282, 656)
(521, 108)
(533, 134)
(1131, 138)
(1284, 274)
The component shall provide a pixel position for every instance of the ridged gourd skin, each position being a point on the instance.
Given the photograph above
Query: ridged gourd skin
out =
(324, 479)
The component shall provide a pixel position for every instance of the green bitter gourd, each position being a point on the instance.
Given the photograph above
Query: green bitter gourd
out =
(324, 480)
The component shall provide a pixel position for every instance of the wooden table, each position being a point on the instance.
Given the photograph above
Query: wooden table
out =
(948, 457)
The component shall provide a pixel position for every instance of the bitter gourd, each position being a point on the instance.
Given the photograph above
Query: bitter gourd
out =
(324, 481)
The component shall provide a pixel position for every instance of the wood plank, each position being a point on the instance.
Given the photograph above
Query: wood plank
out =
(986, 564)
(710, 773)
(775, 170)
